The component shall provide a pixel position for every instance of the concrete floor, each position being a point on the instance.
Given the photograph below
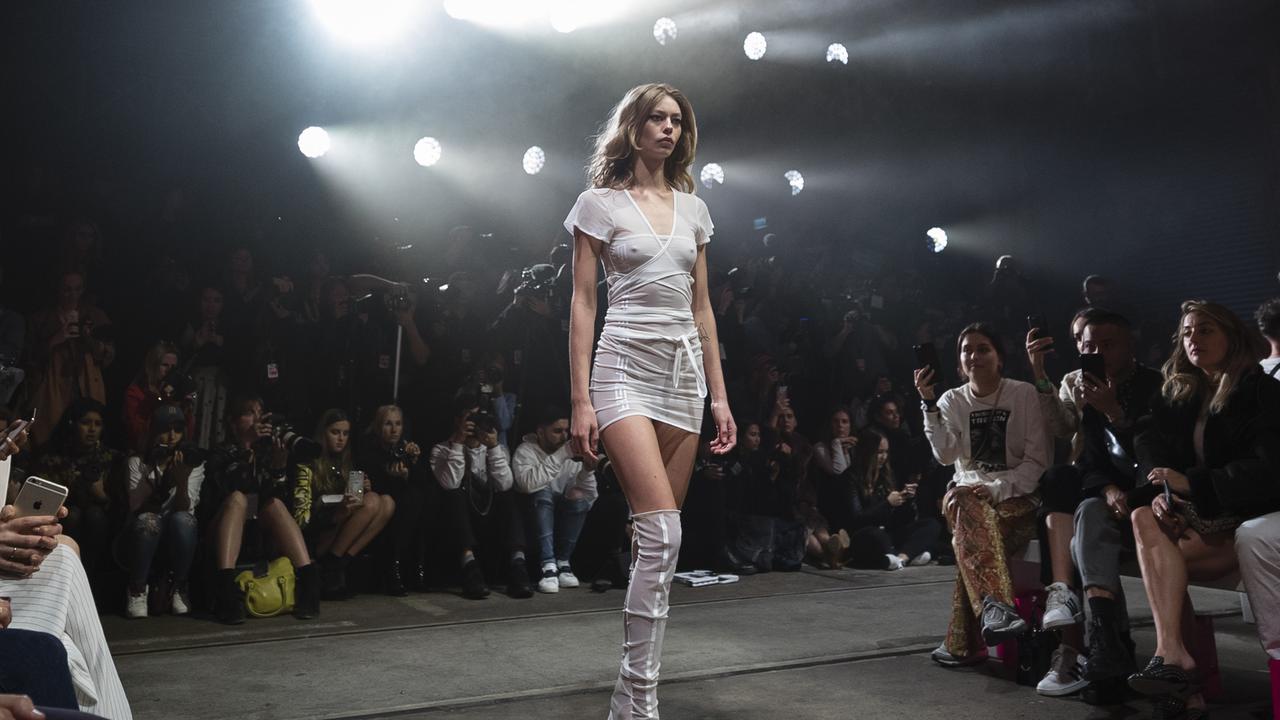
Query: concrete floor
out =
(813, 644)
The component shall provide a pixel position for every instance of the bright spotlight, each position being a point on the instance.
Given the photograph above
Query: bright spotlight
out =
(754, 46)
(367, 21)
(937, 239)
(565, 20)
(837, 53)
(664, 31)
(427, 151)
(313, 142)
(796, 180)
(712, 174)
(501, 13)
(534, 159)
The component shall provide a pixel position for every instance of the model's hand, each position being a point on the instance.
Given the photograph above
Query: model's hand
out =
(726, 429)
(584, 432)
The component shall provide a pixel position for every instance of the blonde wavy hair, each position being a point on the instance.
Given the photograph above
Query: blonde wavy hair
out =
(613, 162)
(1184, 381)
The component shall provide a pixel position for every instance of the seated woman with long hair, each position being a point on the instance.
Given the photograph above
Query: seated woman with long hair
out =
(1214, 443)
(887, 532)
(337, 522)
(992, 429)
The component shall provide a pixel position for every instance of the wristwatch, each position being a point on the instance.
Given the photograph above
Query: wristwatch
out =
(1043, 385)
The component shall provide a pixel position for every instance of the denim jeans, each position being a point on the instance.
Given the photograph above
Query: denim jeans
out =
(176, 531)
(558, 521)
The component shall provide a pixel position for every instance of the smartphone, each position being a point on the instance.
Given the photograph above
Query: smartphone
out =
(16, 428)
(1093, 364)
(39, 497)
(1039, 324)
(331, 499)
(927, 354)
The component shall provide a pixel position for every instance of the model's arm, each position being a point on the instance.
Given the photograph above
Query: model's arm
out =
(584, 432)
(704, 319)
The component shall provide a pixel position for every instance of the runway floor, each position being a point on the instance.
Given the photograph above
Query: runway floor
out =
(812, 644)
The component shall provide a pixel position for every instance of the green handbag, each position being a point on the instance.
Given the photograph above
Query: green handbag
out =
(268, 589)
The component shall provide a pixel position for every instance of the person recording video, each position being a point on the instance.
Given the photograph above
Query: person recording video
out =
(390, 459)
(247, 479)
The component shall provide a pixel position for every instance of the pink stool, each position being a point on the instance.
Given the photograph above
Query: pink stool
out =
(1204, 650)
(1030, 606)
(1274, 664)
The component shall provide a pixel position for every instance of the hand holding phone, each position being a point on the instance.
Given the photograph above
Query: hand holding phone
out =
(39, 497)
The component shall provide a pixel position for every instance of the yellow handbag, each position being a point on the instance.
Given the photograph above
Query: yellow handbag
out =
(268, 589)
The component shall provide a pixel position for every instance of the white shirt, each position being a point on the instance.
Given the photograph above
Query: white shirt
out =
(486, 467)
(535, 469)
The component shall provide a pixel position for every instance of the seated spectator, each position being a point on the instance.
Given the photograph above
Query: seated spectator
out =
(474, 471)
(560, 489)
(68, 345)
(338, 521)
(886, 530)
(164, 490)
(34, 663)
(991, 428)
(390, 460)
(77, 458)
(246, 478)
(796, 454)
(761, 504)
(1211, 456)
(203, 342)
(146, 393)
(1268, 317)
(833, 463)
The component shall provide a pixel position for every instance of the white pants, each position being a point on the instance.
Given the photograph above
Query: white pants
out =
(57, 600)
(1258, 549)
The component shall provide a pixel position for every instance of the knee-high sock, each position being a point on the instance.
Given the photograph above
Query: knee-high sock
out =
(655, 546)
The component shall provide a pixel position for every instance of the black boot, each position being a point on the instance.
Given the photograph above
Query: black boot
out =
(334, 575)
(416, 579)
(306, 592)
(228, 599)
(393, 582)
(518, 585)
(473, 585)
(1110, 658)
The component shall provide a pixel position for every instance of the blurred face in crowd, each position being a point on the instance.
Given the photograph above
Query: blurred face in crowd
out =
(978, 358)
(89, 430)
(336, 437)
(168, 362)
(243, 424)
(210, 304)
(391, 429)
(840, 424)
(1113, 343)
(1204, 342)
(787, 421)
(1077, 333)
(84, 238)
(889, 416)
(319, 267)
(551, 437)
(884, 385)
(751, 438)
(339, 300)
(170, 436)
(882, 453)
(70, 290)
(242, 262)
(1096, 293)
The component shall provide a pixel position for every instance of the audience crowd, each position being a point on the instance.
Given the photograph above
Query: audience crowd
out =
(391, 433)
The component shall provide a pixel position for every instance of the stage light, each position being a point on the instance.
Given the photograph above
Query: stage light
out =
(937, 239)
(712, 174)
(837, 53)
(367, 21)
(534, 159)
(796, 180)
(664, 31)
(755, 46)
(427, 151)
(565, 19)
(314, 142)
(498, 13)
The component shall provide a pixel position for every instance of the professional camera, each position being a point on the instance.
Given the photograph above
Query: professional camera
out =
(537, 281)
(397, 299)
(485, 422)
(176, 386)
(301, 448)
(231, 467)
(400, 453)
(192, 454)
(487, 380)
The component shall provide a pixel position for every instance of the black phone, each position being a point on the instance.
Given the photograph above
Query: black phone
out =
(1039, 324)
(927, 354)
(1093, 364)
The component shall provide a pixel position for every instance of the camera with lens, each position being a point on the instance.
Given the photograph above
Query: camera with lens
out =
(231, 468)
(301, 448)
(537, 282)
(400, 453)
(177, 386)
(397, 299)
(485, 423)
(487, 381)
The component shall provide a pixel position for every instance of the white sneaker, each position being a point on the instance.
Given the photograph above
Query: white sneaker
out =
(180, 604)
(1062, 608)
(135, 606)
(923, 558)
(566, 578)
(1066, 673)
(895, 562)
(549, 582)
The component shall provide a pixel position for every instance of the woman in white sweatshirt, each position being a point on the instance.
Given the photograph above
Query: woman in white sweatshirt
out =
(992, 429)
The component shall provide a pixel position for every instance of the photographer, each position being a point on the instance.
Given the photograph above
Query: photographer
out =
(474, 470)
(489, 381)
(390, 461)
(247, 479)
(68, 345)
(531, 330)
(164, 490)
(149, 390)
(204, 343)
(561, 490)
(335, 505)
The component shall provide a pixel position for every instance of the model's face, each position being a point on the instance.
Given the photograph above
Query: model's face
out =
(882, 453)
(1204, 342)
(89, 430)
(210, 304)
(661, 130)
(752, 438)
(840, 424)
(392, 428)
(978, 357)
(889, 416)
(336, 437)
(1113, 344)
